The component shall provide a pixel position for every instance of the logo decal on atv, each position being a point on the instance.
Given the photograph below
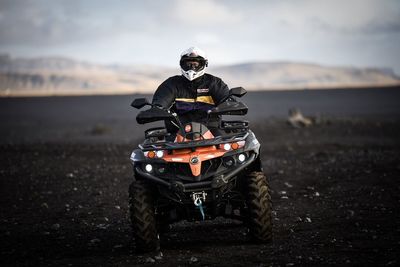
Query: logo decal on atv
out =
(194, 160)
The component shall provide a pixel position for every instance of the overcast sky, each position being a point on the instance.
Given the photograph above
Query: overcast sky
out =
(339, 32)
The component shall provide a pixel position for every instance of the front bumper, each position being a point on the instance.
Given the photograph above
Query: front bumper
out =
(215, 182)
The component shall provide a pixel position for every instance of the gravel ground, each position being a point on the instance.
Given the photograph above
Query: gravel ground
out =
(334, 189)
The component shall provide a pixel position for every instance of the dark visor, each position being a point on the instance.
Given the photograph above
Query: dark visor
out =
(195, 64)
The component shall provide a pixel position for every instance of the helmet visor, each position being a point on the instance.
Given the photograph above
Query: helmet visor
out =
(192, 63)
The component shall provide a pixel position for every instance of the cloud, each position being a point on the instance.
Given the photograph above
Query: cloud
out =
(206, 38)
(64, 22)
(38, 23)
(342, 17)
(204, 13)
(229, 31)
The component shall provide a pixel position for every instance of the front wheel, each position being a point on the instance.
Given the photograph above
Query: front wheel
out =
(143, 218)
(259, 206)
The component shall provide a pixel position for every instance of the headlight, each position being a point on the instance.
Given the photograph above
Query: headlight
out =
(234, 146)
(148, 168)
(241, 158)
(159, 153)
(153, 154)
(227, 147)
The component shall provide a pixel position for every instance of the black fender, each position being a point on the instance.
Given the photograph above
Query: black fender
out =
(137, 155)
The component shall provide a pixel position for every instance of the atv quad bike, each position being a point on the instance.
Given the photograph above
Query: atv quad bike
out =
(194, 175)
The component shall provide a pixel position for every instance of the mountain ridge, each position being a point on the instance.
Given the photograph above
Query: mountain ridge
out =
(65, 76)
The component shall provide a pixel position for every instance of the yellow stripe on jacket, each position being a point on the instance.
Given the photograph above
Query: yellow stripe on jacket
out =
(191, 100)
(204, 99)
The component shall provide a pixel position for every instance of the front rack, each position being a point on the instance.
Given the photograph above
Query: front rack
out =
(195, 143)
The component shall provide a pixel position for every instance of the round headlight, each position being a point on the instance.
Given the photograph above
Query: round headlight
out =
(160, 154)
(227, 147)
(241, 158)
(148, 168)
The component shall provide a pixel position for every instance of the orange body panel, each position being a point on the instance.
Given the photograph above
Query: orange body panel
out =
(189, 157)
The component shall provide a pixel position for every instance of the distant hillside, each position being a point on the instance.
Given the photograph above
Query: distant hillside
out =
(62, 76)
(288, 75)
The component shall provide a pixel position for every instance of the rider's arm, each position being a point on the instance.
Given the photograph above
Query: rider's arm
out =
(220, 92)
(165, 94)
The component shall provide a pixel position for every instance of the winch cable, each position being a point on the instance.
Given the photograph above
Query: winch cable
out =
(198, 203)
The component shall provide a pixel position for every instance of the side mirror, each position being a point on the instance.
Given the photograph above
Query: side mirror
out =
(140, 102)
(237, 91)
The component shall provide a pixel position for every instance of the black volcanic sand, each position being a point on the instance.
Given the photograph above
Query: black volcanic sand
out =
(335, 191)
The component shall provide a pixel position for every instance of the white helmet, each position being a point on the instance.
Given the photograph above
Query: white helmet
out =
(193, 63)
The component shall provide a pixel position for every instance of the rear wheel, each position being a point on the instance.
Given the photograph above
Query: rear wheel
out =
(143, 218)
(259, 207)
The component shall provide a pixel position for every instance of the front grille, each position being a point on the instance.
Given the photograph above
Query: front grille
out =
(180, 169)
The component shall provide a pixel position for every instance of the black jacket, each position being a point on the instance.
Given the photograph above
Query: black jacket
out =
(191, 99)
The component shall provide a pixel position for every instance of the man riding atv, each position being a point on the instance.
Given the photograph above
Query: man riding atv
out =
(192, 94)
(198, 166)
